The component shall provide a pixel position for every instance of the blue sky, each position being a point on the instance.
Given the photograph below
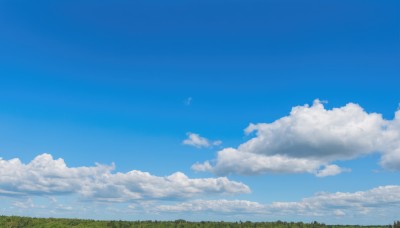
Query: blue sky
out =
(125, 83)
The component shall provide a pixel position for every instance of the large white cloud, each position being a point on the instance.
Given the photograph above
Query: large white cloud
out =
(309, 140)
(47, 176)
(381, 199)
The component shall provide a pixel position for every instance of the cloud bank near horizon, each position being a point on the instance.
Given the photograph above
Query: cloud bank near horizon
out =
(383, 201)
(309, 140)
(361, 203)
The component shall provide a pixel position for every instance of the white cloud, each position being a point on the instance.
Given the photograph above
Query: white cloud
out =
(47, 176)
(24, 204)
(339, 212)
(230, 160)
(359, 203)
(197, 141)
(330, 170)
(214, 206)
(309, 140)
(216, 142)
(205, 167)
(377, 205)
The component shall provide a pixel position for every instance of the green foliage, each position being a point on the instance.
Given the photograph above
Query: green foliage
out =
(21, 222)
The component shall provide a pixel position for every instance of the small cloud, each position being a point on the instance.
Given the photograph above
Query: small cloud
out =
(217, 143)
(188, 101)
(24, 204)
(339, 213)
(330, 170)
(205, 167)
(197, 141)
(215, 206)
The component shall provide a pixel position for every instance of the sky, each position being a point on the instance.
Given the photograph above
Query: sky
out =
(201, 110)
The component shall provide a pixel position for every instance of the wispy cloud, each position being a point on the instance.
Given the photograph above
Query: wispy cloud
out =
(215, 206)
(309, 140)
(188, 101)
(196, 140)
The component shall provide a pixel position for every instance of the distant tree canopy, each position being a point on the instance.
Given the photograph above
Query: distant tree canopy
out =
(20, 222)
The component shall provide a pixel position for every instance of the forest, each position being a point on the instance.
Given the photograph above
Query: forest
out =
(17, 221)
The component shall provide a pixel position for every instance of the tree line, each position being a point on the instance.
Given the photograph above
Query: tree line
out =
(22, 222)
